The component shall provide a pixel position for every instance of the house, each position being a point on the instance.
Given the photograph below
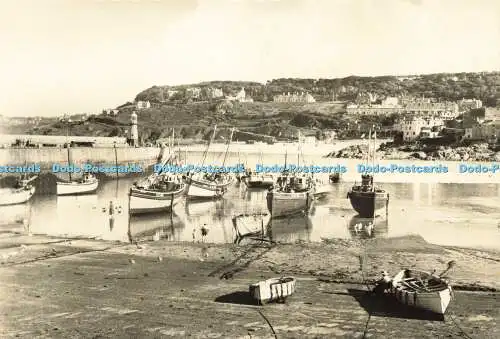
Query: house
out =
(486, 131)
(425, 107)
(241, 96)
(411, 126)
(296, 97)
(193, 92)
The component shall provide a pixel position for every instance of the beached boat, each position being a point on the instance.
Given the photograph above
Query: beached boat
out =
(251, 224)
(366, 199)
(209, 185)
(275, 289)
(159, 193)
(422, 290)
(86, 185)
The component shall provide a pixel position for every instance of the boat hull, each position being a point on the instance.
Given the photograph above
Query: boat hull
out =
(272, 289)
(368, 203)
(76, 188)
(144, 201)
(259, 181)
(282, 204)
(436, 301)
(197, 189)
(16, 196)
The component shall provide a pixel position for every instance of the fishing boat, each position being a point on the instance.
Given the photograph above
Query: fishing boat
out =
(366, 199)
(422, 290)
(87, 184)
(21, 193)
(258, 180)
(209, 185)
(275, 289)
(293, 193)
(160, 193)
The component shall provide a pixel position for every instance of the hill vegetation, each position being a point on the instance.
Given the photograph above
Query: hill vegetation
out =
(193, 116)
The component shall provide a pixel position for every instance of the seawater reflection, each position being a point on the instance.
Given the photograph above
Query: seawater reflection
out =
(449, 214)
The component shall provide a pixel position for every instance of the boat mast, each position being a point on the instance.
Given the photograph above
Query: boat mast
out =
(367, 159)
(68, 144)
(228, 144)
(208, 146)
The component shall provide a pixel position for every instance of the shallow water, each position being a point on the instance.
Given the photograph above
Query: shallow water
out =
(465, 215)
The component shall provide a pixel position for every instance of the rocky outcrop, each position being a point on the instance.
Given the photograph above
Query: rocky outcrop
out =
(477, 152)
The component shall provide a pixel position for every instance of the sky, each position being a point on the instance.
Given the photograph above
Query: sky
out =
(81, 56)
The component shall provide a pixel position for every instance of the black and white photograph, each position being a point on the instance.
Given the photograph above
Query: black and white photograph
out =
(250, 169)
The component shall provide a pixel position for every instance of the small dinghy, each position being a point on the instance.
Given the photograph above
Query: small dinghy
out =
(422, 290)
(275, 289)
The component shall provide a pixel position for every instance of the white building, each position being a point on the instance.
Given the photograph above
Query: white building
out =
(412, 126)
(296, 97)
(424, 107)
(241, 96)
(143, 104)
(214, 93)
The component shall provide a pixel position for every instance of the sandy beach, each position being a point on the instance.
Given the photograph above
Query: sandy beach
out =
(91, 289)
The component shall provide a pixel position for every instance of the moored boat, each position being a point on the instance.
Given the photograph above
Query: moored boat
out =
(366, 199)
(207, 185)
(275, 289)
(258, 180)
(21, 193)
(14, 196)
(160, 193)
(422, 290)
(86, 185)
(292, 194)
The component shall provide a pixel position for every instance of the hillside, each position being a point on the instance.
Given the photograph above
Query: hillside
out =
(445, 86)
(194, 115)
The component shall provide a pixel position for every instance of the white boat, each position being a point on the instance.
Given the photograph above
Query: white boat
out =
(160, 196)
(422, 290)
(209, 185)
(14, 196)
(206, 186)
(87, 185)
(275, 289)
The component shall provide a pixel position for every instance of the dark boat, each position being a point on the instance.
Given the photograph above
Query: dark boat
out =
(366, 199)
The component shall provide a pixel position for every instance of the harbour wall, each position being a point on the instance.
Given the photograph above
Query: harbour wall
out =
(100, 156)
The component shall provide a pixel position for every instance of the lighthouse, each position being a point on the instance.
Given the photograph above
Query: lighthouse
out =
(134, 135)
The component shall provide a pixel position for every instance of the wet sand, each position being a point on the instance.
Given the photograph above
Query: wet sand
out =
(93, 289)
